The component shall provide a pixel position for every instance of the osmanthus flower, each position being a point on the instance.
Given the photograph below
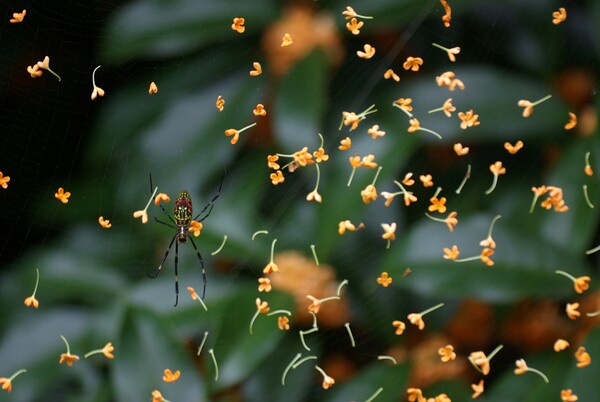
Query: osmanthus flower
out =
(451, 52)
(375, 132)
(559, 16)
(7, 382)
(427, 180)
(271, 266)
(369, 51)
(369, 194)
(67, 357)
(451, 253)
(18, 17)
(238, 24)
(4, 181)
(400, 327)
(303, 157)
(352, 119)
(45, 65)
(415, 395)
(437, 205)
(283, 323)
(384, 279)
(416, 126)
(257, 69)
(345, 144)
(143, 213)
(460, 150)
(485, 256)
(497, 169)
(169, 376)
(157, 397)
(97, 91)
(560, 345)
(412, 63)
(449, 220)
(477, 389)
(153, 89)
(260, 110)
(161, 197)
(389, 73)
(345, 225)
(277, 177)
(235, 134)
(489, 241)
(513, 149)
(31, 300)
(447, 108)
(580, 284)
(522, 368)
(447, 17)
(417, 318)
(107, 351)
(567, 395)
(327, 380)
(587, 169)
(349, 13)
(105, 223)
(195, 296)
(62, 195)
(264, 285)
(481, 362)
(528, 105)
(447, 353)
(404, 104)
(195, 228)
(408, 180)
(320, 155)
(389, 232)
(34, 71)
(583, 357)
(354, 26)
(572, 310)
(272, 162)
(287, 40)
(220, 103)
(572, 121)
(468, 119)
(262, 307)
(448, 79)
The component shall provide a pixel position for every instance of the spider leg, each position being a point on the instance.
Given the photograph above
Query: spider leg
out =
(202, 264)
(211, 202)
(164, 258)
(176, 275)
(164, 223)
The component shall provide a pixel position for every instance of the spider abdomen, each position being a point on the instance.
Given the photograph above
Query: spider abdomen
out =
(183, 211)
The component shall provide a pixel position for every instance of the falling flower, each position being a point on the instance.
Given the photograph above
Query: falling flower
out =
(238, 25)
(352, 119)
(412, 63)
(105, 223)
(369, 194)
(572, 312)
(107, 351)
(220, 103)
(513, 149)
(587, 169)
(283, 323)
(447, 108)
(157, 396)
(522, 368)
(468, 119)
(375, 133)
(448, 79)
(257, 69)
(400, 327)
(161, 197)
(193, 293)
(320, 155)
(408, 180)
(447, 17)
(417, 318)
(345, 144)
(350, 13)
(31, 300)
(497, 169)
(389, 73)
(67, 357)
(345, 225)
(264, 285)
(272, 161)
(451, 254)
(18, 17)
(327, 380)
(559, 16)
(447, 353)
(389, 231)
(143, 214)
(62, 196)
(287, 40)
(427, 180)
(97, 90)
(580, 284)
(260, 110)
(34, 71)
(171, 377)
(415, 395)
(451, 52)
(528, 106)
(369, 51)
(153, 88)
(354, 26)
(7, 382)
(45, 65)
(482, 362)
(583, 357)
(314, 195)
(195, 228)
(384, 280)
(485, 256)
(416, 126)
(460, 150)
(477, 389)
(277, 177)
(437, 205)
(567, 395)
(560, 345)
(235, 134)
(4, 181)
(572, 121)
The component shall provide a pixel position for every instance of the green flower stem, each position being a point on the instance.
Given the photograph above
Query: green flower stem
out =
(307, 358)
(341, 285)
(462, 184)
(214, 359)
(372, 397)
(538, 372)
(385, 357)
(279, 312)
(347, 325)
(259, 232)
(289, 366)
(587, 197)
(314, 253)
(563, 273)
(66, 343)
(202, 343)
(12, 377)
(37, 281)
(492, 224)
(429, 310)
(409, 114)
(217, 251)
(430, 132)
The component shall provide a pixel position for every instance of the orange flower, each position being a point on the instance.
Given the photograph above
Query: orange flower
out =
(105, 223)
(107, 350)
(408, 198)
(488, 242)
(447, 353)
(460, 150)
(220, 103)
(528, 107)
(272, 161)
(7, 382)
(416, 319)
(157, 396)
(447, 17)
(153, 88)
(415, 395)
(283, 323)
(351, 119)
(583, 357)
(4, 181)
(18, 17)
(581, 284)
(320, 155)
(448, 79)
(384, 280)
(521, 367)
(481, 361)
(277, 177)
(389, 231)
(257, 69)
(235, 134)
(287, 40)
(451, 254)
(32, 301)
(414, 125)
(572, 312)
(451, 220)
(345, 225)
(354, 26)
(350, 13)
(260, 110)
(485, 256)
(327, 382)
(195, 228)
(426, 180)
(143, 214)
(314, 195)
(238, 25)
(171, 377)
(560, 345)
(400, 327)
(389, 197)
(513, 149)
(303, 157)
(572, 120)
(375, 133)
(345, 144)
(404, 103)
(264, 285)
(262, 306)
(193, 293)
(408, 180)
(469, 119)
(567, 395)
(160, 197)
(68, 358)
(270, 268)
(369, 51)
(559, 16)
(97, 90)
(497, 169)
(62, 196)
(34, 71)
(437, 205)
(477, 389)
(412, 63)
(315, 306)
(369, 194)
(447, 108)
(389, 73)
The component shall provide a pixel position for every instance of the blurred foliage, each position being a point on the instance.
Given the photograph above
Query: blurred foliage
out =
(94, 287)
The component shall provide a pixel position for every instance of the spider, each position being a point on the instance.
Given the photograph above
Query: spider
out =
(182, 218)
